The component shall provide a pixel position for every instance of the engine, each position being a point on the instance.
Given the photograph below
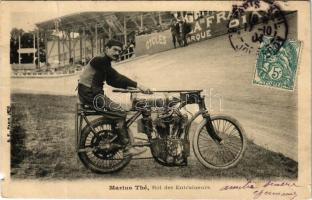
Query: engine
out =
(170, 124)
(166, 132)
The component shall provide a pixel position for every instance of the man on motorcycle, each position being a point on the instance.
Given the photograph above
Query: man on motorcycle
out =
(91, 83)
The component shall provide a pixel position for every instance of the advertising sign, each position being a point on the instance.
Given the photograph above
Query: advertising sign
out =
(153, 43)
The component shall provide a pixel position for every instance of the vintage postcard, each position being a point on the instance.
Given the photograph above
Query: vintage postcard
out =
(156, 99)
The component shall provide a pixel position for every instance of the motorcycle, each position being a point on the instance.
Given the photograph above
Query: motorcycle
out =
(218, 142)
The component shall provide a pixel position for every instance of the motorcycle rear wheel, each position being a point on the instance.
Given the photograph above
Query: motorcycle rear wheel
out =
(96, 160)
(226, 154)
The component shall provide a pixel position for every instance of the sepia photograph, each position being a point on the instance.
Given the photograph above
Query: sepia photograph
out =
(179, 98)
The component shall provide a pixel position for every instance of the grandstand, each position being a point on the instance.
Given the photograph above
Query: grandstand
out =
(72, 40)
(75, 38)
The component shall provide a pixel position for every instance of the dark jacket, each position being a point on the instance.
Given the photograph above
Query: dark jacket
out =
(174, 27)
(187, 28)
(98, 71)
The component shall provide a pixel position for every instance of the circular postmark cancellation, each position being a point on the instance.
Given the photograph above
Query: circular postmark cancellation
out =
(254, 19)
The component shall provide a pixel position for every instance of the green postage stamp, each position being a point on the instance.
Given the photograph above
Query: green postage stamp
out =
(278, 69)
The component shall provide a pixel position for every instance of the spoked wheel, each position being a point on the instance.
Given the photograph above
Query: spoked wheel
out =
(224, 154)
(102, 152)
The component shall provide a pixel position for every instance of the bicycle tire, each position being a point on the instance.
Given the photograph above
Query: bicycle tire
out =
(199, 154)
(86, 160)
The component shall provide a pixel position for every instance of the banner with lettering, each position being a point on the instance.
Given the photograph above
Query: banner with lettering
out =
(202, 29)
(212, 26)
(153, 43)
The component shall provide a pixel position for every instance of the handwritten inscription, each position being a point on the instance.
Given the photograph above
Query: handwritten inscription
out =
(261, 193)
(248, 185)
(280, 184)
(284, 189)
(291, 194)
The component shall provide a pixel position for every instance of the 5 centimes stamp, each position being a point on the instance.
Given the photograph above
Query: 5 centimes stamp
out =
(277, 69)
(254, 19)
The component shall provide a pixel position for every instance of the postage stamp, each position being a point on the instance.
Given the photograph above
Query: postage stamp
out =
(277, 69)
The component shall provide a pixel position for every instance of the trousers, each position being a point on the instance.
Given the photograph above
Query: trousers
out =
(100, 102)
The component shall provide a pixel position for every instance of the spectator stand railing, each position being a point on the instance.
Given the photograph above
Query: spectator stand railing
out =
(46, 74)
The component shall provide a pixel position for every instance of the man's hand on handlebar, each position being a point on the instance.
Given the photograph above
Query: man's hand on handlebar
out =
(144, 90)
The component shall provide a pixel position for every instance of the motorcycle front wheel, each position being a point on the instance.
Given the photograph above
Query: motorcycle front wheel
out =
(224, 154)
(102, 152)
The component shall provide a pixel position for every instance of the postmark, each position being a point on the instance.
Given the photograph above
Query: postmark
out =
(277, 69)
(253, 20)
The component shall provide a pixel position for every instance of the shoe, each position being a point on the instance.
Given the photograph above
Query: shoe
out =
(132, 151)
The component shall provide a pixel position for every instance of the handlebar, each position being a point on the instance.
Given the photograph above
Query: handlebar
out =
(153, 91)
(126, 91)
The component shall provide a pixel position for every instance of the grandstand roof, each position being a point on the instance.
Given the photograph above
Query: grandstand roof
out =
(77, 19)
(87, 19)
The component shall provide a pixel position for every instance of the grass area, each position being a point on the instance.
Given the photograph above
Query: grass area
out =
(42, 146)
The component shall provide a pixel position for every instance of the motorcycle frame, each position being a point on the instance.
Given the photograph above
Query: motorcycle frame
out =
(202, 111)
(82, 113)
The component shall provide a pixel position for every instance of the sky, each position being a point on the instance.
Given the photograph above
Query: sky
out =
(26, 14)
(27, 20)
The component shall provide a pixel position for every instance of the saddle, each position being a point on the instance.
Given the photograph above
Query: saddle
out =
(90, 110)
